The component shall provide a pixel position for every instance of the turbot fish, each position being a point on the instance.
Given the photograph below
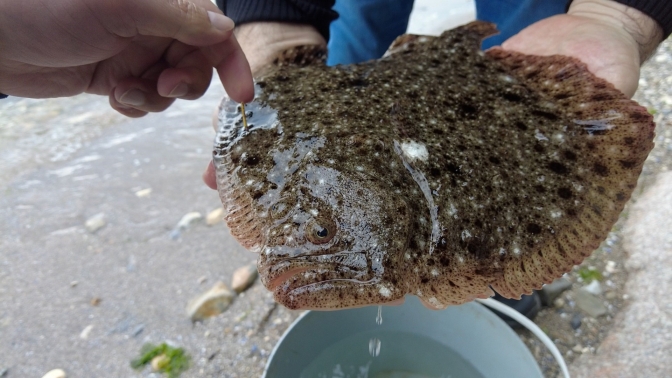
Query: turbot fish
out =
(438, 170)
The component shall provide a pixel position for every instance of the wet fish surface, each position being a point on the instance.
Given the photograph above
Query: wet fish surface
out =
(438, 170)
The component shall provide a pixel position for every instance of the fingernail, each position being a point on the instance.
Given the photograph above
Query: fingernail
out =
(133, 97)
(220, 21)
(179, 90)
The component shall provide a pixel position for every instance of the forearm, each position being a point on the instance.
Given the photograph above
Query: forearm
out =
(316, 13)
(264, 41)
(639, 28)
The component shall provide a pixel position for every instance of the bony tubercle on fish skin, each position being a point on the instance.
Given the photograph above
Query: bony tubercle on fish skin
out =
(438, 171)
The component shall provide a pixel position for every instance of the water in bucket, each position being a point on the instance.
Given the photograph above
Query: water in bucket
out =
(403, 355)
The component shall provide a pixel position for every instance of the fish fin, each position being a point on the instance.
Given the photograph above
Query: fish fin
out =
(454, 289)
(334, 294)
(475, 31)
(241, 217)
(302, 56)
(406, 42)
(299, 56)
(478, 29)
(613, 132)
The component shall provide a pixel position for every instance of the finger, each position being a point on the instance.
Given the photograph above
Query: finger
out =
(190, 76)
(194, 22)
(140, 94)
(233, 69)
(123, 109)
(184, 83)
(209, 176)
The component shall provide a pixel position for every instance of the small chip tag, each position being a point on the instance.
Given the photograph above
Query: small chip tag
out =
(242, 107)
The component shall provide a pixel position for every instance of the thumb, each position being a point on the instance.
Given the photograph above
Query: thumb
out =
(193, 22)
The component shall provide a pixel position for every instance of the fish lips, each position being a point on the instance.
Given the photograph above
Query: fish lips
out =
(287, 274)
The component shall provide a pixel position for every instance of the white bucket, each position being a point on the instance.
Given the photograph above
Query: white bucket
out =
(412, 342)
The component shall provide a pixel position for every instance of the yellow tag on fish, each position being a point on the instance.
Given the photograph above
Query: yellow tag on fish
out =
(242, 107)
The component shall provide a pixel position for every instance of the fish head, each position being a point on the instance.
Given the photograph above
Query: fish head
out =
(330, 231)
(335, 240)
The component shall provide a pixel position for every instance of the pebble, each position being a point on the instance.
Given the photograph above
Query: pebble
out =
(95, 223)
(85, 332)
(95, 301)
(590, 304)
(211, 303)
(143, 192)
(159, 362)
(559, 303)
(3, 372)
(610, 295)
(215, 216)
(577, 348)
(576, 321)
(244, 277)
(138, 330)
(610, 267)
(188, 219)
(56, 373)
(550, 291)
(593, 288)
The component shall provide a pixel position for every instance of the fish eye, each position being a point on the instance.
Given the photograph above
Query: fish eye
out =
(320, 231)
(323, 233)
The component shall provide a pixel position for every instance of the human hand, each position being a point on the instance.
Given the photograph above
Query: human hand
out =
(610, 38)
(142, 54)
(262, 42)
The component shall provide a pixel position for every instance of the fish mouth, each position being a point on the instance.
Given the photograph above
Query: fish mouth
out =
(289, 274)
(285, 276)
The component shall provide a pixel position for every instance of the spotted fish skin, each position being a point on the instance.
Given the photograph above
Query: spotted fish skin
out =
(438, 170)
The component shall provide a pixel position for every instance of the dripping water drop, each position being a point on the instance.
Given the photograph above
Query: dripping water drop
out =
(374, 347)
(374, 342)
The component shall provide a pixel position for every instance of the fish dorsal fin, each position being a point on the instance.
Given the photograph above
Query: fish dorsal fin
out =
(476, 29)
(406, 42)
(473, 32)
(302, 56)
(298, 56)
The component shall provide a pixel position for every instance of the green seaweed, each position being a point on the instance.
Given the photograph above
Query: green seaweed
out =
(177, 361)
(652, 111)
(589, 275)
